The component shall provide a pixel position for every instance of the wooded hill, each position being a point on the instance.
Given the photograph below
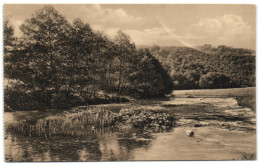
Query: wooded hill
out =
(207, 67)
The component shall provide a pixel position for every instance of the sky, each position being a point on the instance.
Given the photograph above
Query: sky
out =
(163, 25)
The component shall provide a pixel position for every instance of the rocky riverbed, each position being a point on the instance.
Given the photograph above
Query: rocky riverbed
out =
(223, 113)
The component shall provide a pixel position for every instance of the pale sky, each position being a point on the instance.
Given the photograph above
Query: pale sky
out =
(164, 25)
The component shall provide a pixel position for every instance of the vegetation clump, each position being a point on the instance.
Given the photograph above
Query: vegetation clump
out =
(145, 117)
(69, 123)
(87, 122)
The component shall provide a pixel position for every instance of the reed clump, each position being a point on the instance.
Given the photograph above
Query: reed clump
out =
(87, 121)
(69, 123)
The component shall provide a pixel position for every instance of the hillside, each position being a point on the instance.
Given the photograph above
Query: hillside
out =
(207, 66)
(224, 50)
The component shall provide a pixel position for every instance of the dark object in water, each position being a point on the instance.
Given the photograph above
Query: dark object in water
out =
(198, 125)
(190, 133)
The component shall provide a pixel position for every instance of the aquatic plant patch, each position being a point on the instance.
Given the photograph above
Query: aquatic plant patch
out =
(145, 117)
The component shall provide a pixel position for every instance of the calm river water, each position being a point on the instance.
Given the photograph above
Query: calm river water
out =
(209, 143)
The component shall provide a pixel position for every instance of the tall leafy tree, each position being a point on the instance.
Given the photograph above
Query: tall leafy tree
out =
(45, 38)
(148, 78)
(9, 49)
(125, 49)
(78, 60)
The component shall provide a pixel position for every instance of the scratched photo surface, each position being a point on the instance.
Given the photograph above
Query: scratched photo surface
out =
(129, 82)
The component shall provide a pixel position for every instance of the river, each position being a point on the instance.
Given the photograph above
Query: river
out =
(215, 138)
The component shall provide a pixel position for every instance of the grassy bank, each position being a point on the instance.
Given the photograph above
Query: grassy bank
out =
(220, 93)
(245, 96)
(249, 102)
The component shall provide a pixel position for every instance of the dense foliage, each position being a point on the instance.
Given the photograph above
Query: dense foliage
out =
(57, 64)
(207, 66)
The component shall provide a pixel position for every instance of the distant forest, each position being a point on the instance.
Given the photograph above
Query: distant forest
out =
(57, 64)
(207, 67)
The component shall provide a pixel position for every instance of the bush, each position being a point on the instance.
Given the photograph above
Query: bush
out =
(214, 80)
(18, 100)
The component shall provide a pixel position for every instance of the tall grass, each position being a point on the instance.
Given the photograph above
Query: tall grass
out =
(89, 120)
(81, 122)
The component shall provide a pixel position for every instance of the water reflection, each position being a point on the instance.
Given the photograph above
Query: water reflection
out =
(208, 144)
(106, 146)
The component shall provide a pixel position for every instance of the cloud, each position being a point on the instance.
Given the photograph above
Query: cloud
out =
(148, 36)
(234, 26)
(156, 35)
(147, 28)
(207, 27)
(229, 29)
(111, 32)
(16, 23)
(97, 14)
(99, 17)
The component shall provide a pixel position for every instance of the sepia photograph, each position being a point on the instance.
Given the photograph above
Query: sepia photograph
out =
(129, 82)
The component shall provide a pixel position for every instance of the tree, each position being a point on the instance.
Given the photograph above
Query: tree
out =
(60, 65)
(122, 60)
(8, 34)
(148, 78)
(45, 40)
(214, 80)
(78, 60)
(11, 51)
(9, 61)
